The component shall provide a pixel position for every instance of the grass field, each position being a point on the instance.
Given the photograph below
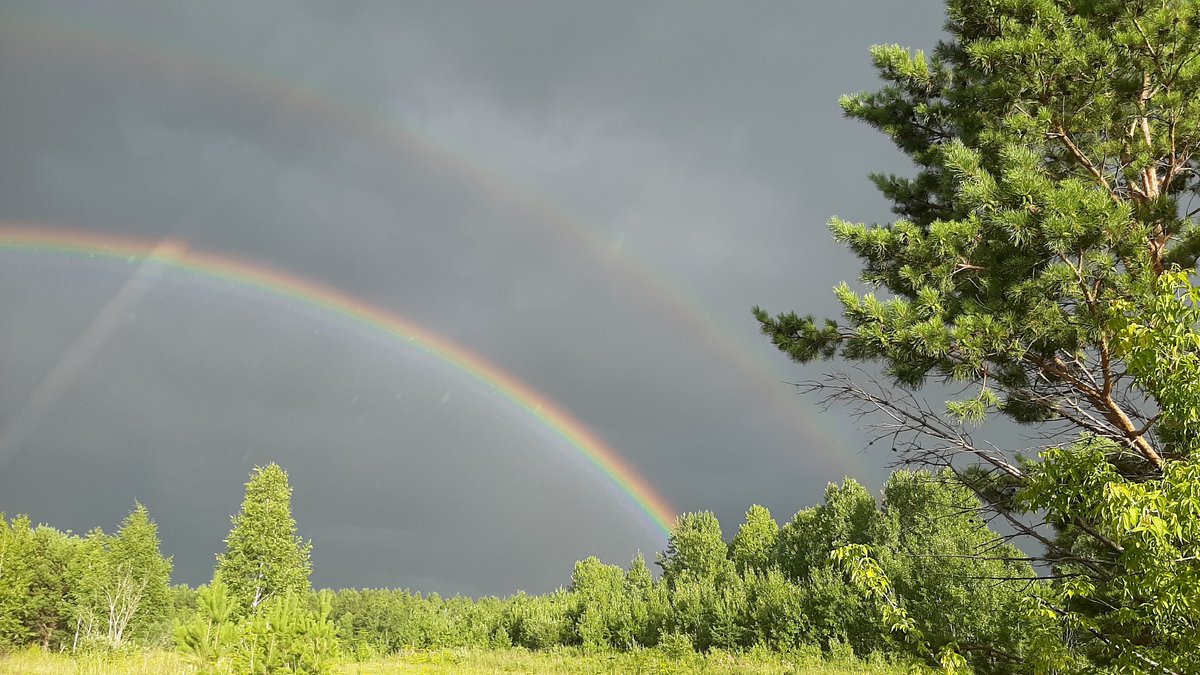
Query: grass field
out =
(38, 662)
(464, 661)
(574, 661)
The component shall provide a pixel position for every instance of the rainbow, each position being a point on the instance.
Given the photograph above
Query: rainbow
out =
(175, 255)
(61, 34)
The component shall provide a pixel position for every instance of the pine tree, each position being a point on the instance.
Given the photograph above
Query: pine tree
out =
(210, 633)
(1043, 260)
(264, 557)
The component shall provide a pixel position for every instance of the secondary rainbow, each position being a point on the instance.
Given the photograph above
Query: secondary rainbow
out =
(346, 307)
(63, 35)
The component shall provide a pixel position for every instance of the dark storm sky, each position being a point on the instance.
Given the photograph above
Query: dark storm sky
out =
(591, 196)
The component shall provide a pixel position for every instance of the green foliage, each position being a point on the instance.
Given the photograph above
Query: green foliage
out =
(64, 591)
(677, 646)
(1055, 143)
(695, 551)
(754, 543)
(708, 614)
(539, 622)
(940, 579)
(925, 534)
(17, 551)
(602, 613)
(605, 606)
(958, 581)
(388, 621)
(849, 515)
(715, 600)
(55, 586)
(1142, 608)
(705, 592)
(649, 606)
(263, 556)
(1035, 262)
(867, 575)
(254, 616)
(122, 584)
(92, 577)
(138, 564)
(209, 636)
(285, 636)
(1159, 339)
(776, 614)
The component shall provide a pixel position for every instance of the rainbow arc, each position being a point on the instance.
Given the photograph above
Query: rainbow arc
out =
(176, 256)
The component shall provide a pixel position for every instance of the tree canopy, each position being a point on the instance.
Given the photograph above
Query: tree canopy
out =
(264, 557)
(1043, 257)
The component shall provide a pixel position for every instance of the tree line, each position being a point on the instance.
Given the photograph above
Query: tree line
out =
(767, 586)
(61, 590)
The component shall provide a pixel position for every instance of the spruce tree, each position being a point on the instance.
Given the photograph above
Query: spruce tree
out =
(264, 557)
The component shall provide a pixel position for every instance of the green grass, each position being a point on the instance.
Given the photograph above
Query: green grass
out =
(465, 662)
(34, 661)
(574, 661)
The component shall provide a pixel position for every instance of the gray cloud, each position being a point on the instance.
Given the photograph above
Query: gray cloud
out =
(589, 195)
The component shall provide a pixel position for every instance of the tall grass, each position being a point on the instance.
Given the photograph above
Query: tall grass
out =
(576, 662)
(35, 661)
(564, 661)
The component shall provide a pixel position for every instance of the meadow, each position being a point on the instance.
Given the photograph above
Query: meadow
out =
(770, 599)
(466, 661)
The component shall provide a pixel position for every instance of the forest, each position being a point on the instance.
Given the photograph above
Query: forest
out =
(768, 587)
(1040, 275)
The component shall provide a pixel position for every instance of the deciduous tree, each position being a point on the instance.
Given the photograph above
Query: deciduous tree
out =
(137, 595)
(264, 556)
(753, 545)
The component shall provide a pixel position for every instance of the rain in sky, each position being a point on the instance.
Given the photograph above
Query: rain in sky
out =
(477, 274)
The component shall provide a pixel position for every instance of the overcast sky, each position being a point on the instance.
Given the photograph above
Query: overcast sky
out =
(589, 195)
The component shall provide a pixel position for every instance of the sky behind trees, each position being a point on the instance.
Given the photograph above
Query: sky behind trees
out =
(589, 196)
